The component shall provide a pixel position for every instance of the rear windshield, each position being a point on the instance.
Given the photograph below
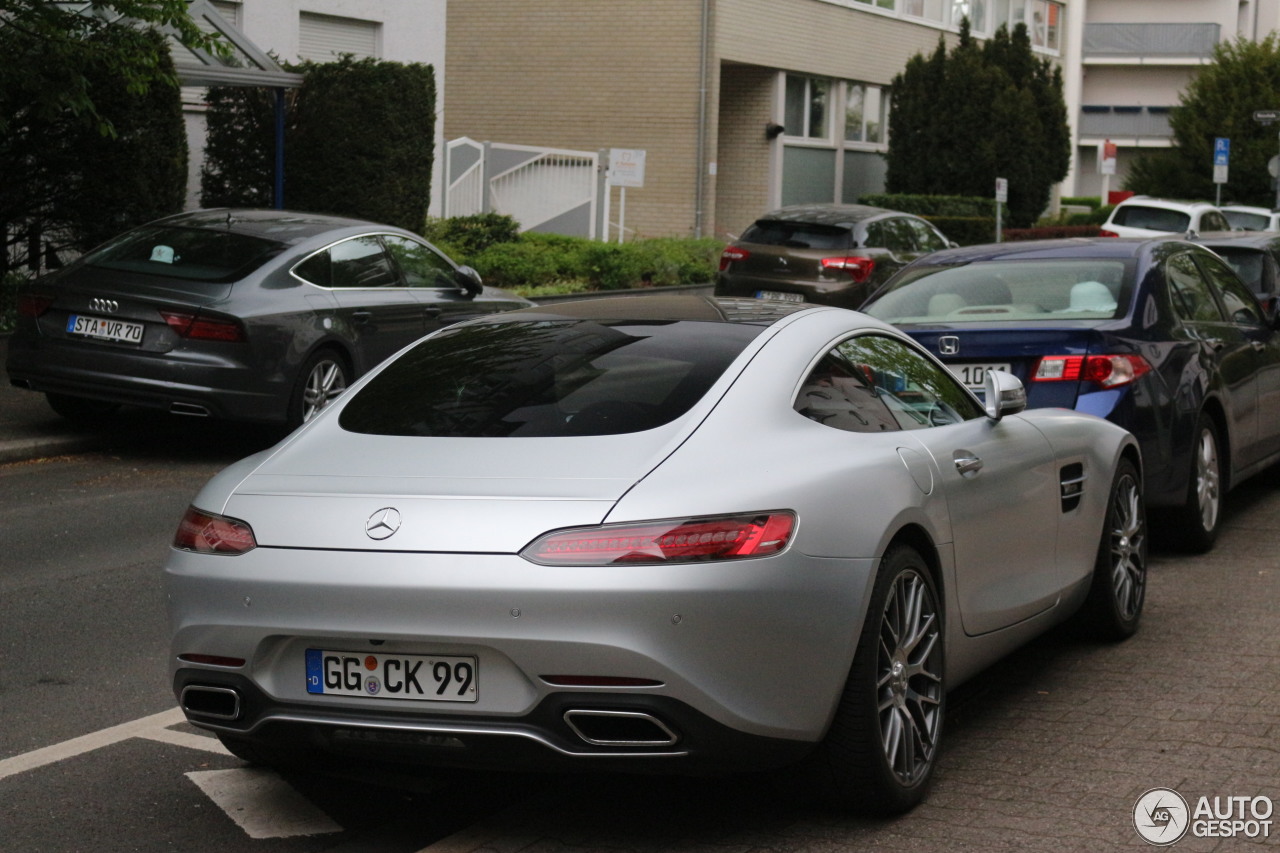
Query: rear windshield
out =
(187, 254)
(547, 378)
(1247, 263)
(1151, 218)
(798, 235)
(1246, 220)
(1035, 291)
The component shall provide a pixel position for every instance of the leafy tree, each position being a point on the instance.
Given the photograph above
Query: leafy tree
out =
(963, 118)
(68, 185)
(362, 140)
(1219, 102)
(48, 46)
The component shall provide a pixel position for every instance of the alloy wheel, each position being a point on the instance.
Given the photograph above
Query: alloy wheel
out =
(909, 677)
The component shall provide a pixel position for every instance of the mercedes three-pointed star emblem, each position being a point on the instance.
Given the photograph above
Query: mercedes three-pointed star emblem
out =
(383, 523)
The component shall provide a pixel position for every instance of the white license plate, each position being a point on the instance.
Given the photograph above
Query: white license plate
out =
(778, 296)
(428, 678)
(105, 329)
(975, 375)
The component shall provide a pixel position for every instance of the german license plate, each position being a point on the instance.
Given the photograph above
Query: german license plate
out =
(778, 296)
(975, 375)
(105, 329)
(427, 678)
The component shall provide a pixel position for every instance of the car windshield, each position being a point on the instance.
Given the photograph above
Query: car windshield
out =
(798, 235)
(188, 254)
(1042, 291)
(547, 378)
(1246, 220)
(1151, 218)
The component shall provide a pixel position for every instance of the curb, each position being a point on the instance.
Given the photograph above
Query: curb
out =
(27, 449)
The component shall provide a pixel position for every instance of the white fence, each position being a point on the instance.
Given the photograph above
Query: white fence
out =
(543, 189)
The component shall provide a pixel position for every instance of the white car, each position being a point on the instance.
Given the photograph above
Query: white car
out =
(1244, 217)
(1141, 216)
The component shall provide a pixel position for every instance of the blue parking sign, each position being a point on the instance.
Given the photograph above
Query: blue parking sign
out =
(1221, 151)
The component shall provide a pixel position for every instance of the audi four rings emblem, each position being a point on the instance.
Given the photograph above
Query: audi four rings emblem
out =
(106, 306)
(383, 523)
(948, 345)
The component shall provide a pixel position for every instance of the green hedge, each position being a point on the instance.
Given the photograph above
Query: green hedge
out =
(1050, 232)
(556, 263)
(933, 205)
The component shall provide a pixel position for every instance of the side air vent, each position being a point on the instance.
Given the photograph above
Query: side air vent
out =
(1072, 484)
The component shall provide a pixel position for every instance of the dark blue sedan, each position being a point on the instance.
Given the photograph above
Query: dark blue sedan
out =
(1159, 336)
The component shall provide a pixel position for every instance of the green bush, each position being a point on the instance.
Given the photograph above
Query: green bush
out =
(361, 141)
(1090, 201)
(464, 236)
(966, 230)
(933, 205)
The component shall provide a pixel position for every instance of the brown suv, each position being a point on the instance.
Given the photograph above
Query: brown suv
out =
(833, 254)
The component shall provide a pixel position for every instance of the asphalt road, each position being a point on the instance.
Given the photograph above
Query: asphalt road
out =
(1048, 750)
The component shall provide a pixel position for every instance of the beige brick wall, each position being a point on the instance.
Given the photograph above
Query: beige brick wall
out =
(747, 95)
(589, 75)
(598, 74)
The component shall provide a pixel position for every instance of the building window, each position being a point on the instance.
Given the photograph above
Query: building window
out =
(865, 113)
(806, 107)
(879, 4)
(324, 38)
(1042, 17)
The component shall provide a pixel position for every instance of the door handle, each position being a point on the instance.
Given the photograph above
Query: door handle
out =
(968, 465)
(361, 316)
(431, 312)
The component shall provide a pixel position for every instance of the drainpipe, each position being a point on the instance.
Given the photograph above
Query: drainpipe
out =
(699, 197)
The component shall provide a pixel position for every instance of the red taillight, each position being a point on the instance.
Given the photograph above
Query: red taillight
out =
(33, 304)
(206, 533)
(1105, 233)
(859, 269)
(1106, 371)
(195, 327)
(729, 537)
(731, 254)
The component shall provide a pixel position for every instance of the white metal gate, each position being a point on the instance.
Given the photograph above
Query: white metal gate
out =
(544, 189)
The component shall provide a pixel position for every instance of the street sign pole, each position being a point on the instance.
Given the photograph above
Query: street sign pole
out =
(1221, 156)
(1002, 196)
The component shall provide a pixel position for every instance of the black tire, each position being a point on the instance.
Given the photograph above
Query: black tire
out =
(1200, 517)
(1114, 606)
(81, 410)
(323, 377)
(878, 756)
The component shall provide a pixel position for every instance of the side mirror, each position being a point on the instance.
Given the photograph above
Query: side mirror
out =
(469, 281)
(1004, 394)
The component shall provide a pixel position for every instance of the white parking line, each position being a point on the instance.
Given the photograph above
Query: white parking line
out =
(142, 727)
(262, 804)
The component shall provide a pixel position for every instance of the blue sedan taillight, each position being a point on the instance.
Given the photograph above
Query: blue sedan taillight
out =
(1105, 371)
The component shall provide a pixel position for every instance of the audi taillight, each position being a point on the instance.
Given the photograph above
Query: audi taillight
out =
(1105, 371)
(208, 533)
(859, 269)
(33, 304)
(199, 328)
(1105, 233)
(687, 540)
(731, 254)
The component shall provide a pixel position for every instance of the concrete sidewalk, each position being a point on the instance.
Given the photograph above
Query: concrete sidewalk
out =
(29, 429)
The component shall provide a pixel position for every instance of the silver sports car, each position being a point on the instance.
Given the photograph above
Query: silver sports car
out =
(670, 534)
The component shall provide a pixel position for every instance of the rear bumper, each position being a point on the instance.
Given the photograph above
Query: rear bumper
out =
(184, 383)
(580, 731)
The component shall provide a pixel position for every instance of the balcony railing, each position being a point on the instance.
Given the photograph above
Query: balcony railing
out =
(1108, 122)
(1153, 41)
